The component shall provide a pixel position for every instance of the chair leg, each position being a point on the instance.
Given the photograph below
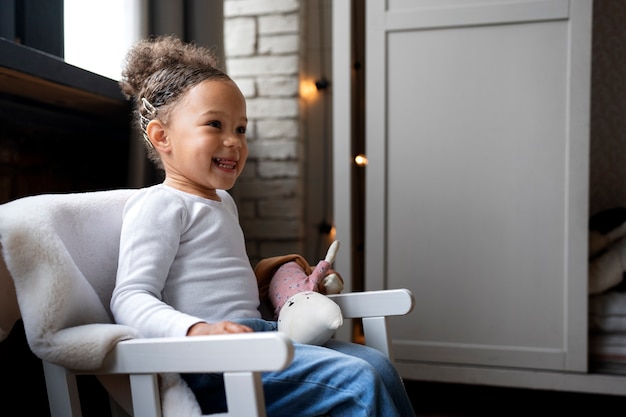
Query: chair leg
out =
(146, 397)
(62, 388)
(377, 335)
(248, 386)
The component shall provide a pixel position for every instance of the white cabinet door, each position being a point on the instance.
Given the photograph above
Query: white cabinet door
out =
(477, 117)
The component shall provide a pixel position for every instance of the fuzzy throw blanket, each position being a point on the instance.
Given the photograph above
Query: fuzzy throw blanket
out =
(61, 251)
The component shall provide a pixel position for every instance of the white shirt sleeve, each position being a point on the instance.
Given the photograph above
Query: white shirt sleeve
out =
(149, 242)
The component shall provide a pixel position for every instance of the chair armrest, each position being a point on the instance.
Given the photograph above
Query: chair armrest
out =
(241, 357)
(397, 302)
(263, 351)
(373, 307)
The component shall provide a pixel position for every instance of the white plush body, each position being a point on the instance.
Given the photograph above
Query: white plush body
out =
(310, 317)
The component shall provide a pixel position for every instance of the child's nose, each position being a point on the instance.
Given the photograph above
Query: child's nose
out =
(233, 140)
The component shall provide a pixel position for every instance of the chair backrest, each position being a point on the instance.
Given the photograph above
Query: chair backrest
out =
(61, 251)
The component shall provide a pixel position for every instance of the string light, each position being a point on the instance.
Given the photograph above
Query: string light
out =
(308, 90)
(360, 160)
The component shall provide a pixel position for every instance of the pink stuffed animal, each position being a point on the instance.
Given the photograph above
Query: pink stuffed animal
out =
(284, 276)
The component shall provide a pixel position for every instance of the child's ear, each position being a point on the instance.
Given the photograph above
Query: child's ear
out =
(157, 135)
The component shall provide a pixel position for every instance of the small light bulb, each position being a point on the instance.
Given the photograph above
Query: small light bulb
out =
(308, 90)
(360, 160)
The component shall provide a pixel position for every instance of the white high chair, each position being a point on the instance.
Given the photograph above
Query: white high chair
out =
(57, 274)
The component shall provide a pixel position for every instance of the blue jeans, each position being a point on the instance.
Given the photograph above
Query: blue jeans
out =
(338, 379)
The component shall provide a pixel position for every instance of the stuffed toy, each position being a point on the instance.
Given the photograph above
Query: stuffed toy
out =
(311, 317)
(607, 250)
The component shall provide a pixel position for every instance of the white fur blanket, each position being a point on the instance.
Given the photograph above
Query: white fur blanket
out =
(61, 251)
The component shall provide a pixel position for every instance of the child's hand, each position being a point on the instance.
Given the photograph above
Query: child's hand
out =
(223, 327)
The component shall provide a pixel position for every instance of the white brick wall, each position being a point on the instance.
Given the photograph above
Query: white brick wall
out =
(279, 44)
(255, 66)
(236, 8)
(262, 47)
(240, 37)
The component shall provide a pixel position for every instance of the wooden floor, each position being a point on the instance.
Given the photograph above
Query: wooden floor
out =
(457, 400)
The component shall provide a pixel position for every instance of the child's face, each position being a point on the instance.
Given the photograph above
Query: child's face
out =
(206, 137)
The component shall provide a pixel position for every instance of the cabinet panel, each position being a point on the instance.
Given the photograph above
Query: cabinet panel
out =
(476, 185)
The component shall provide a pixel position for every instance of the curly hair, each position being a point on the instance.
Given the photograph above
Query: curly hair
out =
(157, 72)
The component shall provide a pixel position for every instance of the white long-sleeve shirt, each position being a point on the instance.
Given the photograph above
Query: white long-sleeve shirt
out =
(182, 260)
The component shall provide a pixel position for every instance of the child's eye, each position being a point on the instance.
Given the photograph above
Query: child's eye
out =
(215, 124)
(241, 130)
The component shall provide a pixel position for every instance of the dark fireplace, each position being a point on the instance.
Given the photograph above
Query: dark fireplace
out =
(62, 129)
